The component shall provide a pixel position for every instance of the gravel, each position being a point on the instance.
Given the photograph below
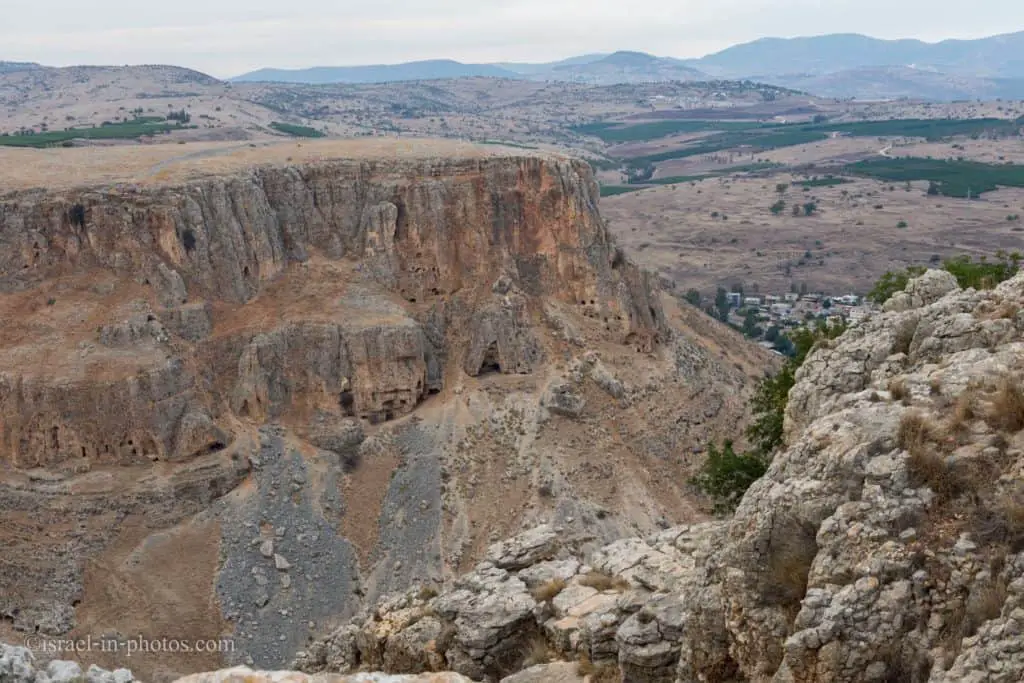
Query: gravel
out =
(273, 588)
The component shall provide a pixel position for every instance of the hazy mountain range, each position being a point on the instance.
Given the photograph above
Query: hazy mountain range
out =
(837, 65)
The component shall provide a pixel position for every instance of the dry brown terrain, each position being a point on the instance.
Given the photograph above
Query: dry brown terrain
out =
(351, 361)
(845, 246)
(155, 164)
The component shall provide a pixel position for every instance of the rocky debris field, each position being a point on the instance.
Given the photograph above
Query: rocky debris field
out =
(885, 543)
(19, 665)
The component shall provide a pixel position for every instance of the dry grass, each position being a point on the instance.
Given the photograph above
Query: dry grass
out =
(601, 672)
(547, 591)
(427, 593)
(963, 411)
(915, 432)
(158, 164)
(604, 582)
(898, 390)
(1001, 523)
(935, 386)
(698, 251)
(536, 651)
(985, 604)
(1007, 408)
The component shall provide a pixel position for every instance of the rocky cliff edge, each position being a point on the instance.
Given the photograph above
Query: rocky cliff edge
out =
(885, 543)
(248, 401)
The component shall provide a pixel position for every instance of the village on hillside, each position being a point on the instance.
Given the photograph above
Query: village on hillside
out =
(767, 318)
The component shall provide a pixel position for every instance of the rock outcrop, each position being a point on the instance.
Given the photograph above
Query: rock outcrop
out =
(249, 403)
(885, 543)
(19, 665)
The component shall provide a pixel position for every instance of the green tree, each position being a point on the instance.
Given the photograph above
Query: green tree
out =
(722, 304)
(727, 475)
(750, 326)
(778, 207)
(720, 476)
(983, 274)
(892, 282)
(810, 208)
(693, 296)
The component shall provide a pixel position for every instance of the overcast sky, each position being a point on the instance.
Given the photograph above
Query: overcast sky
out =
(228, 37)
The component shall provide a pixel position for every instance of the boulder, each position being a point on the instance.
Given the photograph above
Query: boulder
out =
(528, 548)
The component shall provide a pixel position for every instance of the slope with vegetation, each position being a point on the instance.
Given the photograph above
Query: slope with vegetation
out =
(726, 475)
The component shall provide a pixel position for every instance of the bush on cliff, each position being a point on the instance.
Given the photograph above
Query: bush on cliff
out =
(726, 475)
(983, 274)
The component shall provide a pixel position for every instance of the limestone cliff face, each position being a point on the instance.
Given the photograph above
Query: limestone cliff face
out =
(885, 543)
(365, 369)
(435, 233)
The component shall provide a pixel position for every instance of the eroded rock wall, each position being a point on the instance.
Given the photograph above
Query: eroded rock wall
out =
(885, 543)
(351, 361)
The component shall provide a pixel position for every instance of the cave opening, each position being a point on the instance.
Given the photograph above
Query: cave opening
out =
(347, 401)
(188, 239)
(491, 362)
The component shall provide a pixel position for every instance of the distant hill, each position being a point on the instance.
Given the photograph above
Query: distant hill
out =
(892, 82)
(596, 69)
(528, 69)
(836, 65)
(999, 56)
(626, 67)
(10, 67)
(429, 70)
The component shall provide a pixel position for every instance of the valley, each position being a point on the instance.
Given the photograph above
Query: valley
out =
(573, 372)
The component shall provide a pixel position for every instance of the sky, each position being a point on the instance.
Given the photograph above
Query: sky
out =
(228, 37)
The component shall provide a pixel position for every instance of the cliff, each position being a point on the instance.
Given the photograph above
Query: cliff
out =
(246, 391)
(885, 543)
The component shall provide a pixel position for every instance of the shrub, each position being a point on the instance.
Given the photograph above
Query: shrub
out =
(535, 651)
(983, 274)
(1007, 411)
(914, 432)
(898, 390)
(547, 591)
(601, 672)
(604, 582)
(727, 475)
(778, 207)
(901, 225)
(427, 593)
(893, 282)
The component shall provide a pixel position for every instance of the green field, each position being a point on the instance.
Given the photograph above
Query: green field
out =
(725, 135)
(676, 179)
(930, 129)
(297, 131)
(614, 132)
(612, 190)
(131, 130)
(761, 141)
(948, 178)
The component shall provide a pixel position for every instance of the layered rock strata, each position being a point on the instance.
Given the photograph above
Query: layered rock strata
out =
(340, 363)
(885, 543)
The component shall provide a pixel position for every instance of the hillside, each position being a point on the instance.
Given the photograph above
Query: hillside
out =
(412, 71)
(996, 56)
(835, 65)
(884, 543)
(247, 390)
